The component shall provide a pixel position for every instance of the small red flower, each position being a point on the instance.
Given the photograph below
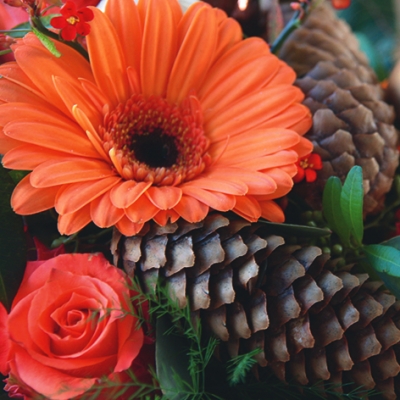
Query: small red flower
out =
(72, 21)
(340, 4)
(307, 167)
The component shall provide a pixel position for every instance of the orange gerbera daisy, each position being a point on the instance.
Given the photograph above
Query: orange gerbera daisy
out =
(174, 115)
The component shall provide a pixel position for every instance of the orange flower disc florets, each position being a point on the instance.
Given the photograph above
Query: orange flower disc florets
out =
(152, 140)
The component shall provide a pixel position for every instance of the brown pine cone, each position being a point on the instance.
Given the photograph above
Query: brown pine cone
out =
(251, 290)
(352, 125)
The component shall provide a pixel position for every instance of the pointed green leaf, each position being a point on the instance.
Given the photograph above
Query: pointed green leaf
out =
(386, 262)
(351, 203)
(20, 30)
(172, 360)
(393, 242)
(332, 210)
(12, 243)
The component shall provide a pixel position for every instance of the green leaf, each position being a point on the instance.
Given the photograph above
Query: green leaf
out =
(332, 211)
(20, 30)
(386, 262)
(46, 42)
(393, 242)
(172, 360)
(296, 230)
(12, 243)
(17, 176)
(351, 203)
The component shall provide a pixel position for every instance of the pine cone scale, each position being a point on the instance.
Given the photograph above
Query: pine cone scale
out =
(343, 93)
(312, 321)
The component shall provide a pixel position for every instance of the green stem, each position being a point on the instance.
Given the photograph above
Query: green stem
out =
(37, 23)
(292, 25)
(4, 52)
(376, 221)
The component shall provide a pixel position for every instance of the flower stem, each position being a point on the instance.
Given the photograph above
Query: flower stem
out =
(37, 23)
(292, 25)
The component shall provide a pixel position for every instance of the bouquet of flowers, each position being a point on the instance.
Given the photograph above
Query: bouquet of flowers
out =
(195, 205)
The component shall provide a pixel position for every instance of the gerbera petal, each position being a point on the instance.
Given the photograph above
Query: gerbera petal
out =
(134, 80)
(126, 20)
(164, 197)
(72, 94)
(141, 210)
(186, 19)
(107, 58)
(284, 184)
(96, 96)
(7, 144)
(55, 172)
(263, 142)
(260, 106)
(285, 74)
(283, 157)
(191, 210)
(237, 56)
(248, 208)
(21, 158)
(229, 33)
(10, 112)
(304, 147)
(256, 182)
(127, 227)
(215, 200)
(126, 193)
(271, 211)
(197, 49)
(69, 66)
(165, 216)
(15, 86)
(51, 137)
(91, 133)
(219, 183)
(28, 200)
(74, 222)
(72, 197)
(103, 212)
(290, 169)
(159, 46)
(297, 118)
(240, 81)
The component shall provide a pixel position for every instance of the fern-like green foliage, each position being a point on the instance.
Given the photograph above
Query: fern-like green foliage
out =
(239, 366)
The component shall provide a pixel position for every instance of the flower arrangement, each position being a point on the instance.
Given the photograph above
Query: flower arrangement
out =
(191, 213)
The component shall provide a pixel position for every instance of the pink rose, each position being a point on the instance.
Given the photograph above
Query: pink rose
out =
(68, 328)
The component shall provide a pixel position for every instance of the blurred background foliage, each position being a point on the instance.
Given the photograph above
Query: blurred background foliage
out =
(376, 24)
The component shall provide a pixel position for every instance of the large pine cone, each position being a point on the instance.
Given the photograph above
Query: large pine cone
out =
(252, 290)
(352, 125)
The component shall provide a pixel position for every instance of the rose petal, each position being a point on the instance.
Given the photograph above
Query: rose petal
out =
(4, 340)
(53, 384)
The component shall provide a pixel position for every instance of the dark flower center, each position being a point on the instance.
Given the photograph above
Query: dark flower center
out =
(149, 139)
(155, 149)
